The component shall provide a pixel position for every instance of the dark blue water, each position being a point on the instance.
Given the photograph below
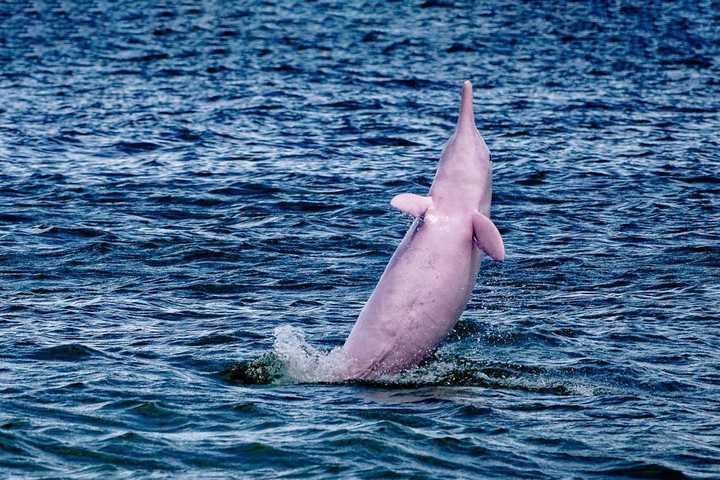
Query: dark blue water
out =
(180, 179)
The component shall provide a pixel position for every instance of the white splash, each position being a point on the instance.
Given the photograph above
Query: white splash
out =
(304, 363)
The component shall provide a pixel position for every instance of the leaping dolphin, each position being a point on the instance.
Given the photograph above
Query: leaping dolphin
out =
(430, 277)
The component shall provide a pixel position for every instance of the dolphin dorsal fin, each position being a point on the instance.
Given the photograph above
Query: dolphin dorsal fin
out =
(411, 204)
(487, 237)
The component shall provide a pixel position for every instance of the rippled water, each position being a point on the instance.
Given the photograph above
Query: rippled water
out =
(181, 179)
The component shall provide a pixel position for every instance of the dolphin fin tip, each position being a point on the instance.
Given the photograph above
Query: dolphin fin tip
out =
(487, 237)
(411, 204)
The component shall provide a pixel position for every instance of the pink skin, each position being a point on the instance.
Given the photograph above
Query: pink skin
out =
(430, 277)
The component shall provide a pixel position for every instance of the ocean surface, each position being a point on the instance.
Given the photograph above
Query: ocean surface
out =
(194, 206)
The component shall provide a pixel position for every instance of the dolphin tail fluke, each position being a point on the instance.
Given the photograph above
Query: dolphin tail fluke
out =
(487, 237)
(466, 119)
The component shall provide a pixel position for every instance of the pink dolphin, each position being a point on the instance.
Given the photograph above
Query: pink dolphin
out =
(431, 275)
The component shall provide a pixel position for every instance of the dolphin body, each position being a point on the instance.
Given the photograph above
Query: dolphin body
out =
(430, 277)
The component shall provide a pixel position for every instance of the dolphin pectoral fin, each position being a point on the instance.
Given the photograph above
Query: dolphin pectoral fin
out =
(411, 204)
(487, 237)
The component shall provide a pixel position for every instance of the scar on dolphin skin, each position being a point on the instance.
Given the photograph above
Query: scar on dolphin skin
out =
(451, 234)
